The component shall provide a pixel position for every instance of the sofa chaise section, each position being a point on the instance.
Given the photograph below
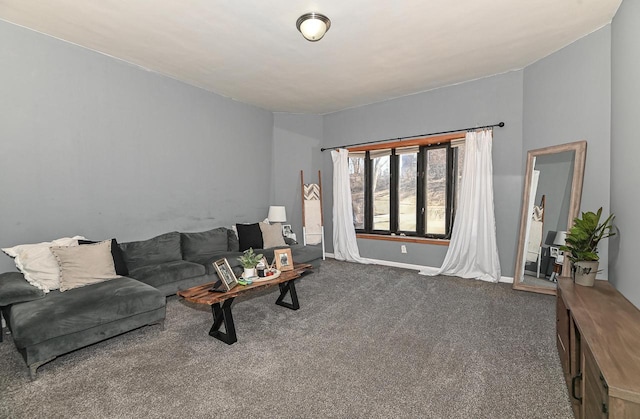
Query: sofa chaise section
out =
(47, 327)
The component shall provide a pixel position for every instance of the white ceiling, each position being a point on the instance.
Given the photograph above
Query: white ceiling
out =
(251, 51)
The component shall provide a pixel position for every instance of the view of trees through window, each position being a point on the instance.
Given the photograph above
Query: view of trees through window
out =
(437, 186)
(407, 191)
(356, 178)
(381, 187)
(436, 191)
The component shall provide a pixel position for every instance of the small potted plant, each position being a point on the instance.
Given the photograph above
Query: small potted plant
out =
(582, 241)
(249, 260)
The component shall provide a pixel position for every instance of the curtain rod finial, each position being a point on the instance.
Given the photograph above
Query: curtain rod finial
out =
(501, 124)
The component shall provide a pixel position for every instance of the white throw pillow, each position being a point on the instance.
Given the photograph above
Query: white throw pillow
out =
(37, 263)
(272, 235)
(84, 265)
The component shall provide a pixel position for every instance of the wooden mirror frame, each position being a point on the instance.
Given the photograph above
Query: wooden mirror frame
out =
(580, 149)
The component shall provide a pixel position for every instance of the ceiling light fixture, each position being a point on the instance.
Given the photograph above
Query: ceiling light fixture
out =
(313, 26)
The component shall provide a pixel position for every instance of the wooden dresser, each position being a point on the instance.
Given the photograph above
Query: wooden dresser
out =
(598, 338)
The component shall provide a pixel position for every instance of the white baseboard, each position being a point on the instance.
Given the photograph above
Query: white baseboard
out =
(393, 264)
(421, 268)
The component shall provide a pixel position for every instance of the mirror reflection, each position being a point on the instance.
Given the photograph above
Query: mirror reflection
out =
(553, 187)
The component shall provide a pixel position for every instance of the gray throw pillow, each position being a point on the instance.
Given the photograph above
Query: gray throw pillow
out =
(204, 245)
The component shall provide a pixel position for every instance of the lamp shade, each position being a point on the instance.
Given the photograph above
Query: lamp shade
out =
(313, 26)
(277, 214)
(561, 237)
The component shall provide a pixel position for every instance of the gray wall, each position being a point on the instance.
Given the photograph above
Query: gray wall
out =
(93, 146)
(562, 98)
(567, 97)
(297, 139)
(625, 150)
(479, 102)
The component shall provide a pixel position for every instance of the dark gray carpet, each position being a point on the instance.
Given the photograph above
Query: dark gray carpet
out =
(367, 342)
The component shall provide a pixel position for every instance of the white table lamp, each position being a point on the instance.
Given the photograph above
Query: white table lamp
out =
(277, 214)
(561, 237)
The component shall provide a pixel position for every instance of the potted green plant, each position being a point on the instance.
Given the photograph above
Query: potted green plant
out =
(582, 243)
(249, 260)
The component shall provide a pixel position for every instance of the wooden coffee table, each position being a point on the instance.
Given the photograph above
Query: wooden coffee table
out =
(202, 294)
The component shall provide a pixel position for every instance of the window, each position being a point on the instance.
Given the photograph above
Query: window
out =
(407, 188)
(410, 189)
(381, 188)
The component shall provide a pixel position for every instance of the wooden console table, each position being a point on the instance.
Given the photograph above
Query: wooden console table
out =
(598, 339)
(202, 294)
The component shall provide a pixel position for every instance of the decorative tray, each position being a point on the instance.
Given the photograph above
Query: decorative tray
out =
(266, 278)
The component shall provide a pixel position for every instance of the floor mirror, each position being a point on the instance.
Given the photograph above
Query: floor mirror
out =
(551, 201)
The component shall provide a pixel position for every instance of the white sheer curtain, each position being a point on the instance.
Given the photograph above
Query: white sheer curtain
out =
(345, 246)
(473, 250)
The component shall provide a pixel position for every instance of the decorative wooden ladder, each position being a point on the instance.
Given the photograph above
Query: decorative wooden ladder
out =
(312, 216)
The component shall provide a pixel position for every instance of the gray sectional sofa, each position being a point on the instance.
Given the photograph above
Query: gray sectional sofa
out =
(44, 326)
(176, 261)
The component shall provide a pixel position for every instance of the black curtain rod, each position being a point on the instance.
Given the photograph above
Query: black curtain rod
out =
(500, 124)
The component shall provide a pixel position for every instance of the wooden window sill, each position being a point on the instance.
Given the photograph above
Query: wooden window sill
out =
(406, 239)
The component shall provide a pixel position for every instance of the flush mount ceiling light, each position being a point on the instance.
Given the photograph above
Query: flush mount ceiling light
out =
(313, 26)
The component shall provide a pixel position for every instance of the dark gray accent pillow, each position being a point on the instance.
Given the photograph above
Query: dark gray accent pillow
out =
(160, 249)
(249, 235)
(15, 289)
(290, 241)
(198, 246)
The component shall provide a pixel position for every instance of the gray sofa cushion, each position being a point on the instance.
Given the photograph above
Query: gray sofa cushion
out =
(164, 273)
(15, 289)
(160, 249)
(299, 252)
(306, 254)
(82, 308)
(198, 246)
(232, 257)
(234, 243)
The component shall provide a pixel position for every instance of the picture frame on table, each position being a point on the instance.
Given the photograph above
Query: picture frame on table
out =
(225, 273)
(283, 259)
(287, 231)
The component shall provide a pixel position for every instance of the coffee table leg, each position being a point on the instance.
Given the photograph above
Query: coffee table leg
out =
(288, 287)
(223, 315)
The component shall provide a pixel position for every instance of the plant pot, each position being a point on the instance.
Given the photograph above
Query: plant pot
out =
(584, 272)
(249, 272)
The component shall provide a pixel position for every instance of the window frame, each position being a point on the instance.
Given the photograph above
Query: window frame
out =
(424, 144)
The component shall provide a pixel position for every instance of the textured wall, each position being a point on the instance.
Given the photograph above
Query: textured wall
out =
(297, 139)
(625, 149)
(567, 98)
(94, 146)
